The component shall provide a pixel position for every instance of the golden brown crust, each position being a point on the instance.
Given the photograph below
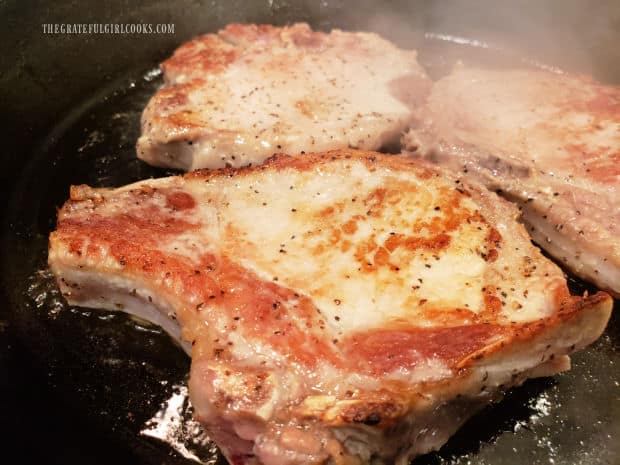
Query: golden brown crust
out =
(451, 348)
(207, 54)
(212, 53)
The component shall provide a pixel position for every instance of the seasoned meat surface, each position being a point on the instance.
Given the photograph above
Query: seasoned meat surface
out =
(238, 96)
(340, 307)
(548, 141)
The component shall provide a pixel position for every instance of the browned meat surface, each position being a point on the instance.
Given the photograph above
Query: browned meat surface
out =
(339, 308)
(238, 96)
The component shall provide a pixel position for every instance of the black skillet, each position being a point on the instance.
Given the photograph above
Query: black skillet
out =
(79, 386)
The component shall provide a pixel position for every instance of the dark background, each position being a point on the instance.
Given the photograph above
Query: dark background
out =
(44, 77)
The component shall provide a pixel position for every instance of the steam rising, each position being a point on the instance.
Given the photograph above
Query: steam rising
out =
(576, 35)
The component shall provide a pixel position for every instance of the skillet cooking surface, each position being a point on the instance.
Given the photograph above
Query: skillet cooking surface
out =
(124, 381)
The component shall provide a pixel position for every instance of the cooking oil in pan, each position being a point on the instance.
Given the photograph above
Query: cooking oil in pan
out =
(174, 424)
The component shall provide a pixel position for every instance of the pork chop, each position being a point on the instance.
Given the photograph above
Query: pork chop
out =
(236, 97)
(550, 142)
(344, 308)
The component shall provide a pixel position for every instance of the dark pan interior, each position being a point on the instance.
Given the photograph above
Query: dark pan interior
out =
(81, 386)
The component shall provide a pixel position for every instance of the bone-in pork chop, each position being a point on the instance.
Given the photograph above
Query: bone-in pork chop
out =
(550, 142)
(339, 308)
(236, 97)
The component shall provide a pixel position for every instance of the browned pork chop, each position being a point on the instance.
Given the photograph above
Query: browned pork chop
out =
(236, 97)
(343, 308)
(550, 142)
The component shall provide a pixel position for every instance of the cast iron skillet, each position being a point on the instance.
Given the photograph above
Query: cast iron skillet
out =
(80, 386)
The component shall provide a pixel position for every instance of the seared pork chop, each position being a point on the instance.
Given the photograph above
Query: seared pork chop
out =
(550, 142)
(341, 308)
(236, 97)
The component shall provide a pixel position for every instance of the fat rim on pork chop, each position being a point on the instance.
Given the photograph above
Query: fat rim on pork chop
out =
(433, 304)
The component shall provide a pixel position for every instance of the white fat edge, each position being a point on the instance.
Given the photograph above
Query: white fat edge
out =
(161, 183)
(122, 293)
(115, 193)
(188, 245)
(510, 367)
(446, 415)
